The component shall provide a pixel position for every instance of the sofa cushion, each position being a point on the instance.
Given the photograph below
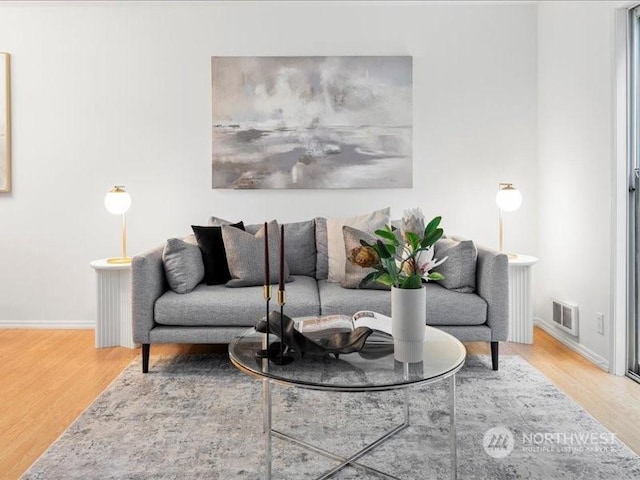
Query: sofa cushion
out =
(183, 265)
(300, 246)
(216, 269)
(245, 255)
(459, 270)
(444, 307)
(216, 305)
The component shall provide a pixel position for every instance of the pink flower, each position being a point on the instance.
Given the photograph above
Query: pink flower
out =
(426, 262)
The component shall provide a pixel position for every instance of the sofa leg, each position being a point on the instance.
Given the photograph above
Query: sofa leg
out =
(494, 355)
(145, 357)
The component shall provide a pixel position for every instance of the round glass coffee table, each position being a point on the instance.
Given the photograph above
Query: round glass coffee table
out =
(373, 369)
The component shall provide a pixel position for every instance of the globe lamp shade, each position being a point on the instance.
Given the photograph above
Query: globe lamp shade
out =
(117, 201)
(508, 198)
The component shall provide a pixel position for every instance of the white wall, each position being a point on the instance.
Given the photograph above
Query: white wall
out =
(575, 143)
(120, 94)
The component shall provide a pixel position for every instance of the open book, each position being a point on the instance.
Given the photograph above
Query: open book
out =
(320, 327)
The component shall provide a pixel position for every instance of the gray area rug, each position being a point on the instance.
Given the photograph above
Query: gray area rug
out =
(197, 416)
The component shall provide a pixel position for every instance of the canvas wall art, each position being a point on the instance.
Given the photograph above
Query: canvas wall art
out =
(312, 122)
(5, 124)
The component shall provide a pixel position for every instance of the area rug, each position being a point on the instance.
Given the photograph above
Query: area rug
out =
(197, 416)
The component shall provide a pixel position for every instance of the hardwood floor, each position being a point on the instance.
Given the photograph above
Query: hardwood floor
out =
(48, 377)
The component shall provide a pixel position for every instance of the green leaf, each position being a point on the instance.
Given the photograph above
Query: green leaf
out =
(412, 281)
(413, 239)
(364, 243)
(431, 238)
(389, 265)
(385, 279)
(387, 236)
(431, 227)
(435, 276)
(372, 277)
(381, 248)
(385, 249)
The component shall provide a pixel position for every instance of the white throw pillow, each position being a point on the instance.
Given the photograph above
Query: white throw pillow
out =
(335, 239)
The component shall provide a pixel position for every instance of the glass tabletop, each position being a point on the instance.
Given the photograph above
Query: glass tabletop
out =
(371, 369)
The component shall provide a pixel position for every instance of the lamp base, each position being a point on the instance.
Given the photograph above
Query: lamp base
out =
(119, 260)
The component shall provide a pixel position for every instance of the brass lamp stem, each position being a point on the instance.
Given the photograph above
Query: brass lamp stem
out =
(123, 259)
(124, 235)
(501, 230)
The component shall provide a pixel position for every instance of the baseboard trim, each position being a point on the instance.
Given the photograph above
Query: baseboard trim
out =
(587, 353)
(44, 324)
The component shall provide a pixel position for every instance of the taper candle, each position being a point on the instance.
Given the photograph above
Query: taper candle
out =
(267, 273)
(281, 258)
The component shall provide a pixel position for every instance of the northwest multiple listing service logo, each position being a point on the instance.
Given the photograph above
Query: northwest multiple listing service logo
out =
(498, 442)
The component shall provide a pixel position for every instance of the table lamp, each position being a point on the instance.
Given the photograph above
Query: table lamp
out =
(118, 201)
(508, 199)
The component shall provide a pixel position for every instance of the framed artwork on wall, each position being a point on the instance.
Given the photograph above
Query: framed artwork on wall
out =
(5, 123)
(312, 122)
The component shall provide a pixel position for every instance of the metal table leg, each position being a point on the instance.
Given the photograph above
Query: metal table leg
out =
(452, 427)
(266, 409)
(352, 460)
(344, 462)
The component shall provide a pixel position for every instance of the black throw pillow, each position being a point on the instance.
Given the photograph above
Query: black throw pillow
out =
(214, 257)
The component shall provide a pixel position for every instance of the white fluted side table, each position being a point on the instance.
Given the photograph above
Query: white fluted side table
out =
(520, 301)
(113, 324)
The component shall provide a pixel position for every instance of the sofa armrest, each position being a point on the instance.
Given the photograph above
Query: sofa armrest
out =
(492, 284)
(148, 283)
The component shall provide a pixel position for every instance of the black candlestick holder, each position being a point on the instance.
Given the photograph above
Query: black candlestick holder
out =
(281, 358)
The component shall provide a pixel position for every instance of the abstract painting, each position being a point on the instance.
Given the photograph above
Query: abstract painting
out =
(5, 125)
(312, 122)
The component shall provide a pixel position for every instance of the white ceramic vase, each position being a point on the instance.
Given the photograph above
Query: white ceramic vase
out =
(408, 323)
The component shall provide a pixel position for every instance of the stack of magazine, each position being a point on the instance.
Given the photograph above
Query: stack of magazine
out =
(321, 327)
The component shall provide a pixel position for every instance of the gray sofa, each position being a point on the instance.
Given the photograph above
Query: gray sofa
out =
(216, 313)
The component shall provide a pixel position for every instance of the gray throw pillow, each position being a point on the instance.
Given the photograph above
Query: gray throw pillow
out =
(183, 265)
(300, 246)
(299, 243)
(353, 273)
(245, 255)
(459, 269)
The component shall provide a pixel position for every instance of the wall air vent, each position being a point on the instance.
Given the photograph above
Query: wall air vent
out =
(565, 316)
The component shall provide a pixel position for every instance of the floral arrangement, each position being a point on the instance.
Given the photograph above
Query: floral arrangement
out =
(401, 261)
